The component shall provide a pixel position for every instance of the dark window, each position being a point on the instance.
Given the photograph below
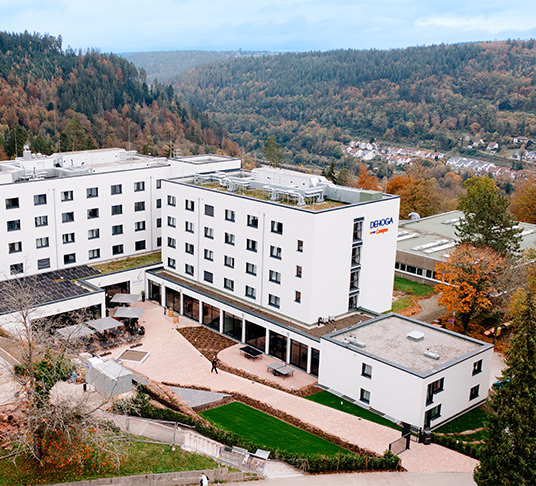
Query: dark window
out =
(139, 206)
(275, 252)
(68, 238)
(228, 261)
(273, 300)
(43, 263)
(356, 255)
(139, 226)
(229, 215)
(189, 205)
(189, 248)
(275, 277)
(250, 292)
(171, 242)
(13, 225)
(297, 296)
(67, 217)
(171, 200)
(229, 239)
(15, 247)
(93, 233)
(354, 280)
(477, 367)
(171, 263)
(92, 254)
(117, 209)
(475, 391)
(277, 227)
(432, 389)
(158, 203)
(40, 199)
(358, 231)
(253, 221)
(364, 396)
(117, 229)
(42, 242)
(300, 246)
(298, 271)
(352, 302)
(209, 255)
(251, 245)
(298, 354)
(41, 221)
(12, 203)
(209, 210)
(70, 258)
(251, 269)
(116, 189)
(139, 186)
(158, 183)
(93, 213)
(366, 370)
(188, 269)
(208, 277)
(158, 241)
(228, 284)
(158, 222)
(16, 268)
(209, 232)
(92, 192)
(67, 196)
(188, 226)
(171, 221)
(140, 245)
(117, 249)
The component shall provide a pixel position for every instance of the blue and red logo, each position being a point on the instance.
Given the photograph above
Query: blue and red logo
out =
(378, 225)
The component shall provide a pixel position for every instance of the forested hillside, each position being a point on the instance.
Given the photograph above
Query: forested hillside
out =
(313, 101)
(59, 100)
(166, 66)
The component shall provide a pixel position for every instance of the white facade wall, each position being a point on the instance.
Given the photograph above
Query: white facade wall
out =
(325, 259)
(400, 393)
(147, 239)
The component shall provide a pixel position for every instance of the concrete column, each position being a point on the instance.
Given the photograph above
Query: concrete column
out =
(243, 329)
(221, 321)
(181, 304)
(309, 354)
(200, 317)
(287, 360)
(267, 343)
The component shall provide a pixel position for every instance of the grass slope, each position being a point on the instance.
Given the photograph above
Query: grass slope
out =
(333, 401)
(267, 430)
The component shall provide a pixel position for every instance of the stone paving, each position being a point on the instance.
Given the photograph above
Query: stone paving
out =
(173, 359)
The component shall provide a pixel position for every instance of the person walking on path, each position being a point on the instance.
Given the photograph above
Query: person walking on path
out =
(214, 365)
(204, 480)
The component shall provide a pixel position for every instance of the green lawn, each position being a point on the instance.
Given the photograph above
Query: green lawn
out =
(412, 288)
(129, 262)
(402, 304)
(268, 431)
(142, 459)
(472, 420)
(333, 401)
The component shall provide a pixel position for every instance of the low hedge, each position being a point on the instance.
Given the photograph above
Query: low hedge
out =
(312, 463)
(454, 443)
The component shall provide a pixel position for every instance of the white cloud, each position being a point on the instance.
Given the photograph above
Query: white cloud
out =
(516, 21)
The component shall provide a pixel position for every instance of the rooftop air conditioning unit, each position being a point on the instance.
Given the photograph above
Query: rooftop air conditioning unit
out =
(415, 336)
(431, 354)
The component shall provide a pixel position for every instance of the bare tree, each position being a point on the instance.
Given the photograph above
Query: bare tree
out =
(60, 428)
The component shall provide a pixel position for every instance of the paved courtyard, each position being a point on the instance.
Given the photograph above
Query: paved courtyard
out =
(174, 360)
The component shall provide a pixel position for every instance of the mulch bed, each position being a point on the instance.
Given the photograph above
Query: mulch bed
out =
(207, 342)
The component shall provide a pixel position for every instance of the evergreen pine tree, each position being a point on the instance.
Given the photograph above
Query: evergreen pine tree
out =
(508, 455)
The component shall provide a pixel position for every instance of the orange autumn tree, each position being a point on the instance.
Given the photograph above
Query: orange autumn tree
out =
(523, 202)
(366, 180)
(469, 281)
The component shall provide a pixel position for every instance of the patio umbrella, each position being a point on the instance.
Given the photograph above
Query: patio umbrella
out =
(104, 324)
(129, 313)
(125, 298)
(75, 331)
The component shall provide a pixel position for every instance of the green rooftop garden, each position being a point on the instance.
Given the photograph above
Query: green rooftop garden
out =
(129, 262)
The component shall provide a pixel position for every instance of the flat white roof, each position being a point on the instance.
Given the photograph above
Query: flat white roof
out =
(386, 338)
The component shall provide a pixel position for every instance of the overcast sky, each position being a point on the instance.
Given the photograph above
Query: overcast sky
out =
(272, 25)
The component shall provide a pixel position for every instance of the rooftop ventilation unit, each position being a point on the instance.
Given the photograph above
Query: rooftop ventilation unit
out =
(355, 342)
(431, 354)
(415, 336)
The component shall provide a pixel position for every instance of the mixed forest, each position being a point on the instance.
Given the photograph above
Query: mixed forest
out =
(313, 102)
(61, 100)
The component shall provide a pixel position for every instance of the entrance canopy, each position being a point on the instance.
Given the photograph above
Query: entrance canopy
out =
(104, 324)
(129, 313)
(125, 298)
(74, 332)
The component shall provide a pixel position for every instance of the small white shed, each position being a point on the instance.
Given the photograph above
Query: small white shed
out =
(108, 377)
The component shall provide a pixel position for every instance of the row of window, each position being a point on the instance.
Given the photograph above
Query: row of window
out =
(275, 251)
(421, 272)
(91, 192)
(228, 284)
(15, 225)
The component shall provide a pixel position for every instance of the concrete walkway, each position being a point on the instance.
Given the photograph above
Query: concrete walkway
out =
(173, 359)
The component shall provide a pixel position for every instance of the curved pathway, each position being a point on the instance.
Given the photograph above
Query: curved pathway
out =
(173, 359)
